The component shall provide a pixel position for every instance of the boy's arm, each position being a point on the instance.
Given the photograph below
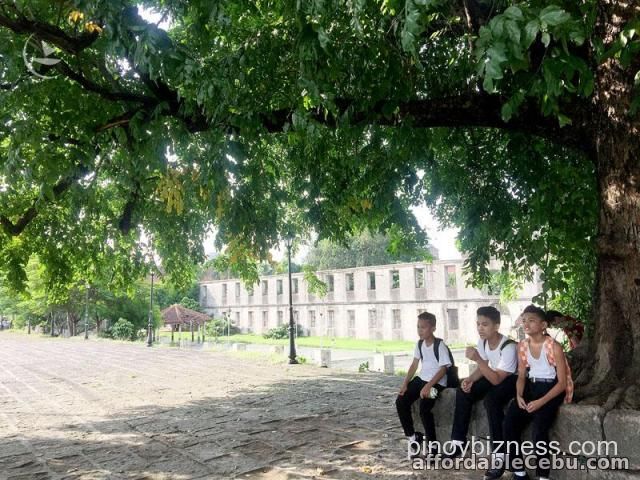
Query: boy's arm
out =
(559, 387)
(520, 383)
(468, 382)
(475, 376)
(443, 355)
(412, 370)
(424, 393)
(410, 373)
(495, 377)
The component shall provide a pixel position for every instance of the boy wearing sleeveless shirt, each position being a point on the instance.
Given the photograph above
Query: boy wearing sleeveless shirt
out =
(494, 381)
(540, 390)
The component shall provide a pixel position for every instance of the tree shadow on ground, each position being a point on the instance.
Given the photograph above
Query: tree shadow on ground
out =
(341, 426)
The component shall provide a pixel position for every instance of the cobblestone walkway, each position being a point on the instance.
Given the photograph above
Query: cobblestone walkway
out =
(71, 409)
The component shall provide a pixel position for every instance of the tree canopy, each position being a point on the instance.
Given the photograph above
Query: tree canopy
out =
(363, 250)
(271, 118)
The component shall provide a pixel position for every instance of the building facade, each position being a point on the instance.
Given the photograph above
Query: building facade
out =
(376, 302)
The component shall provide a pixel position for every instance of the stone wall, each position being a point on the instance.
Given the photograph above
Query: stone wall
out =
(582, 423)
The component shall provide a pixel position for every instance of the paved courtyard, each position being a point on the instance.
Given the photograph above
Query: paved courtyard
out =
(74, 409)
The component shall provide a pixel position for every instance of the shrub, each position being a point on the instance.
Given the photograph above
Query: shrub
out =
(123, 329)
(282, 331)
(218, 328)
(108, 333)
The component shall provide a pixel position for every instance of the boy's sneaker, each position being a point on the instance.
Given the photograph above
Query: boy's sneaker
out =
(419, 439)
(495, 473)
(457, 452)
(434, 452)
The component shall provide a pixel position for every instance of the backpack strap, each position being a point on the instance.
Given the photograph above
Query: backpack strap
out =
(548, 346)
(548, 349)
(508, 341)
(420, 348)
(453, 362)
(436, 348)
(523, 348)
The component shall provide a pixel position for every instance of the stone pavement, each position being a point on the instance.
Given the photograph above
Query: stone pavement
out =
(74, 409)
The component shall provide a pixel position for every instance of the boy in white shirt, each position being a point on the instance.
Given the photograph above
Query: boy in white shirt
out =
(433, 374)
(494, 380)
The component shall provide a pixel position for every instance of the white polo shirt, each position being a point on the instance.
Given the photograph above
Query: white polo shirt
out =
(430, 365)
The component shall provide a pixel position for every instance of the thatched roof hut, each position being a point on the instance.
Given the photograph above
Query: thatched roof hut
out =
(176, 314)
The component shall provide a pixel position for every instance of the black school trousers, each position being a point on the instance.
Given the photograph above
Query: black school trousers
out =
(517, 419)
(403, 405)
(496, 397)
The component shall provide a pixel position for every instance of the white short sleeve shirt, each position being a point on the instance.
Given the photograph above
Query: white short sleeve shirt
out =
(430, 365)
(505, 359)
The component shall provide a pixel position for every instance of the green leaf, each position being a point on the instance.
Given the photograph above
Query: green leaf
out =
(563, 120)
(531, 30)
(546, 39)
(513, 30)
(497, 53)
(487, 84)
(506, 112)
(554, 15)
(577, 37)
(514, 13)
(493, 70)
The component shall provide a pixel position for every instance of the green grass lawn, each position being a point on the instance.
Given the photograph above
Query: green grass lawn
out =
(338, 342)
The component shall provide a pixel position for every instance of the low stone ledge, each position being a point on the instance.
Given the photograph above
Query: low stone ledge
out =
(579, 423)
(623, 427)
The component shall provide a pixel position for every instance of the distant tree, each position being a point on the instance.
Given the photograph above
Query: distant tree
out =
(363, 250)
(190, 303)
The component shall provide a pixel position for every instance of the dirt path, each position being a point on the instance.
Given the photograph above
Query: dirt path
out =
(71, 409)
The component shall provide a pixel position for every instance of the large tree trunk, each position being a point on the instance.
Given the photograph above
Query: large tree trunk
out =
(614, 350)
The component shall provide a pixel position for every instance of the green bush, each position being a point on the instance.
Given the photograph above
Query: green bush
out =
(123, 329)
(282, 331)
(218, 328)
(108, 333)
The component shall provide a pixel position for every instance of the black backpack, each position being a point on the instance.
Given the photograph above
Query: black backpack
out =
(453, 380)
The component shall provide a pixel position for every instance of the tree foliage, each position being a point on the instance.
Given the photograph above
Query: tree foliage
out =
(271, 118)
(362, 250)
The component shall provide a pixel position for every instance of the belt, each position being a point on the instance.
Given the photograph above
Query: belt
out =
(542, 380)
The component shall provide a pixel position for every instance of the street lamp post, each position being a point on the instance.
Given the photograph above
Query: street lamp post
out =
(150, 324)
(292, 328)
(86, 312)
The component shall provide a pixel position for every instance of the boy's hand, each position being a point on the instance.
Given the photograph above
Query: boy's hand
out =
(466, 385)
(521, 403)
(534, 405)
(403, 388)
(472, 354)
(424, 393)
